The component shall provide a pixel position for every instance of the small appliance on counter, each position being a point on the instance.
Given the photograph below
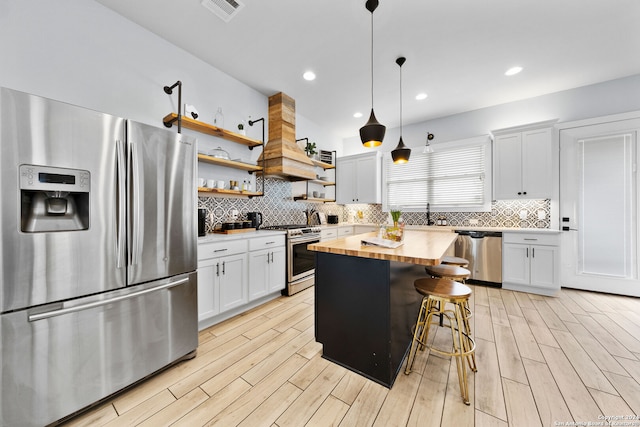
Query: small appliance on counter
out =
(322, 218)
(255, 218)
(202, 222)
(332, 219)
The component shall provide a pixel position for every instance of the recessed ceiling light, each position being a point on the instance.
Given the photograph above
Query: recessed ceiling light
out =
(309, 75)
(421, 96)
(357, 115)
(513, 71)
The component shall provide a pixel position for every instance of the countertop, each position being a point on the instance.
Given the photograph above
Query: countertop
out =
(220, 237)
(420, 247)
(453, 228)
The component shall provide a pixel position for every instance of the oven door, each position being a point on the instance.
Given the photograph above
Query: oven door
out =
(301, 262)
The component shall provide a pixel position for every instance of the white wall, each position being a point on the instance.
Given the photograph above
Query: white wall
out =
(611, 97)
(80, 52)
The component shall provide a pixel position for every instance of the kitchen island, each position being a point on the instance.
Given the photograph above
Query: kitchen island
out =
(365, 302)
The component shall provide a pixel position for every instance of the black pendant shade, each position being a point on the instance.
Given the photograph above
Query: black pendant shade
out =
(401, 153)
(372, 133)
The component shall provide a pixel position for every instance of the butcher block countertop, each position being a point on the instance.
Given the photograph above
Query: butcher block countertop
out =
(419, 247)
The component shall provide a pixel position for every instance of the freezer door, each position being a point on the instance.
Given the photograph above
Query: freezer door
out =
(163, 198)
(60, 358)
(36, 266)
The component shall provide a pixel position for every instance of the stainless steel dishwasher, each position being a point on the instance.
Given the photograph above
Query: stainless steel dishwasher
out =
(483, 249)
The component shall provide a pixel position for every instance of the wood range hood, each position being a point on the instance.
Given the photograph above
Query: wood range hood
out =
(281, 155)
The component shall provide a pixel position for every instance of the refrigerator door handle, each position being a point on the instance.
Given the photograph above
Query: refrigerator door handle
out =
(136, 206)
(59, 312)
(121, 199)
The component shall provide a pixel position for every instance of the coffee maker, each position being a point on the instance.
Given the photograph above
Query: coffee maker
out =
(255, 218)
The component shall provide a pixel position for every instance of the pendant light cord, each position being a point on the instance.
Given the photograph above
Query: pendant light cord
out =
(371, 60)
(400, 101)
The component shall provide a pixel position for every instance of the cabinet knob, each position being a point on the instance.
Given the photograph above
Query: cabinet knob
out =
(524, 192)
(519, 193)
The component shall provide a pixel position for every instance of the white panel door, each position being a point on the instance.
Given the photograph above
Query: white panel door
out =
(598, 204)
(537, 161)
(508, 166)
(367, 181)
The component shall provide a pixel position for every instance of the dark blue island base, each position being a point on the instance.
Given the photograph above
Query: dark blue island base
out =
(364, 313)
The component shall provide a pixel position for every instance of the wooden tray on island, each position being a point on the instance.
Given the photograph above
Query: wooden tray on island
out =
(234, 231)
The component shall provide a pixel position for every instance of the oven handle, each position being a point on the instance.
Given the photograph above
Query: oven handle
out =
(304, 240)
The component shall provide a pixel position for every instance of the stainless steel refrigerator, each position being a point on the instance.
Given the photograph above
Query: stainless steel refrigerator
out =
(98, 257)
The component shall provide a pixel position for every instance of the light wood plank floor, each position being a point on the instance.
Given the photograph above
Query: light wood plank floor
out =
(542, 362)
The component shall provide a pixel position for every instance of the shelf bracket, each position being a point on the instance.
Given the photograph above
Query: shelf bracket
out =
(169, 90)
(252, 122)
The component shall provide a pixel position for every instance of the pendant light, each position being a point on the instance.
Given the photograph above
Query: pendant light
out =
(401, 153)
(372, 133)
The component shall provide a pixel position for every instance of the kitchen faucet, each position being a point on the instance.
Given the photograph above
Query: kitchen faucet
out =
(429, 222)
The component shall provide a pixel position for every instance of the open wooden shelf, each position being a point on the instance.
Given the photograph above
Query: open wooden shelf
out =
(322, 165)
(229, 163)
(313, 199)
(321, 182)
(198, 126)
(215, 191)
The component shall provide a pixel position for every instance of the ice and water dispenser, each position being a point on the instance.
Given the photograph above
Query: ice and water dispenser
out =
(54, 199)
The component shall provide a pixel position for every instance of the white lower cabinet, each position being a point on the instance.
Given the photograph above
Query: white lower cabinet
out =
(208, 287)
(266, 271)
(222, 277)
(233, 273)
(233, 281)
(530, 262)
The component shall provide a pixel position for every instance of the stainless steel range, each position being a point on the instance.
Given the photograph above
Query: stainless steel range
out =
(301, 262)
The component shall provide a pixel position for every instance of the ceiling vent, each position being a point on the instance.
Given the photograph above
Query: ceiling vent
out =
(225, 9)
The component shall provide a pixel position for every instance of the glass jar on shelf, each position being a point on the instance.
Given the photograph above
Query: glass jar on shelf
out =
(218, 120)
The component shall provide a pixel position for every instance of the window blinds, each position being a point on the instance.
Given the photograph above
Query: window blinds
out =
(448, 178)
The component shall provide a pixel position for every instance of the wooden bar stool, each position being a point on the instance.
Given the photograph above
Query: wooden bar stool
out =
(452, 272)
(444, 271)
(439, 295)
(454, 260)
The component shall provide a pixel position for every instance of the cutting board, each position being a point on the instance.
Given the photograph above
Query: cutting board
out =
(234, 231)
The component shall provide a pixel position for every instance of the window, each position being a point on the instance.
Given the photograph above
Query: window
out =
(456, 177)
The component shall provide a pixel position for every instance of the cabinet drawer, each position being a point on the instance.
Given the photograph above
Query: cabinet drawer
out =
(218, 249)
(531, 238)
(266, 242)
(345, 231)
(359, 229)
(329, 234)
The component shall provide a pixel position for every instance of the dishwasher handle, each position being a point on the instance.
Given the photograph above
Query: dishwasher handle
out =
(479, 234)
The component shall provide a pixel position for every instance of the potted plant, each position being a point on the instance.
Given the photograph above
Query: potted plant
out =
(310, 149)
(396, 231)
(395, 216)
(241, 130)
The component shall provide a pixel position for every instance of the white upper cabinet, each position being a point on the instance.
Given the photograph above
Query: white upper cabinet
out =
(359, 178)
(523, 162)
